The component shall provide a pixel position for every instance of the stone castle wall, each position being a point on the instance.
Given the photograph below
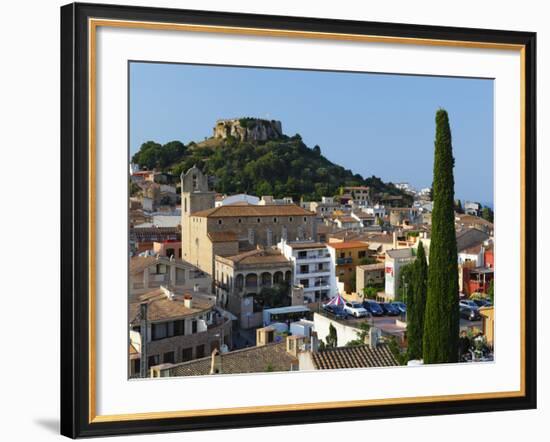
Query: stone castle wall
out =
(248, 129)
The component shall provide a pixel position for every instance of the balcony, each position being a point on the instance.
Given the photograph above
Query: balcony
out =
(342, 261)
(314, 257)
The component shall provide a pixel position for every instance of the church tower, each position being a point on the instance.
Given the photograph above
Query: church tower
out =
(195, 197)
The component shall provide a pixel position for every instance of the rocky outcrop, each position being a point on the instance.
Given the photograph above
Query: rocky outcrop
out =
(248, 129)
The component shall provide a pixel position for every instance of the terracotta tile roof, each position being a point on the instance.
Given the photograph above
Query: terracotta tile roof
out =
(348, 245)
(468, 238)
(363, 215)
(258, 256)
(254, 210)
(361, 356)
(471, 219)
(160, 308)
(225, 236)
(306, 245)
(347, 219)
(139, 263)
(271, 357)
(382, 238)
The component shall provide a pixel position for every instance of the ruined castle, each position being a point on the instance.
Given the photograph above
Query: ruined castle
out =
(248, 129)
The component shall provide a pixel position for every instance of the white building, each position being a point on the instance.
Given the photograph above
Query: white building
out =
(395, 260)
(312, 268)
(377, 211)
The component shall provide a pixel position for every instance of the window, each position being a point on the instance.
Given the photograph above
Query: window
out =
(239, 220)
(199, 351)
(258, 220)
(187, 354)
(159, 331)
(305, 219)
(219, 221)
(304, 282)
(274, 220)
(161, 269)
(179, 327)
(194, 326)
(136, 365)
(304, 269)
(290, 219)
(362, 254)
(302, 255)
(342, 254)
(168, 358)
(152, 360)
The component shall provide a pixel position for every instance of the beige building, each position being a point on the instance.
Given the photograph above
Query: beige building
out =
(208, 231)
(178, 326)
(241, 277)
(369, 275)
(150, 272)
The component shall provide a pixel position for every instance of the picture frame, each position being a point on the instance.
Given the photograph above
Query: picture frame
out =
(79, 180)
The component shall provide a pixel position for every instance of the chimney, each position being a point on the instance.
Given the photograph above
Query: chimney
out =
(188, 300)
(314, 342)
(216, 362)
(265, 336)
(372, 337)
(294, 344)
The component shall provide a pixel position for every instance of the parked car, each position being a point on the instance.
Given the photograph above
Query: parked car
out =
(373, 308)
(471, 314)
(483, 302)
(468, 303)
(400, 306)
(337, 312)
(390, 309)
(355, 309)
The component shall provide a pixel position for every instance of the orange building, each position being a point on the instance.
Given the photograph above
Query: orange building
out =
(346, 256)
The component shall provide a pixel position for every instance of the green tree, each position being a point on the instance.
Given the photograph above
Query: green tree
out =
(362, 334)
(441, 324)
(405, 282)
(491, 291)
(370, 292)
(487, 214)
(332, 337)
(416, 305)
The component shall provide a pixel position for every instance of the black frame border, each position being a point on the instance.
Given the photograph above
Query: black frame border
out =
(75, 220)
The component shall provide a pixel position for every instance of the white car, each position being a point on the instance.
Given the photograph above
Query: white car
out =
(355, 309)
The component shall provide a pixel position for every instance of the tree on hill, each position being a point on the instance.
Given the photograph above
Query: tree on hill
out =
(281, 167)
(441, 326)
(416, 305)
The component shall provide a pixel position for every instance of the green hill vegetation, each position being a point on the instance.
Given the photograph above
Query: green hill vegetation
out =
(280, 167)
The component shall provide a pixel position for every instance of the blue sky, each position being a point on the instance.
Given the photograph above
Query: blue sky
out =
(373, 124)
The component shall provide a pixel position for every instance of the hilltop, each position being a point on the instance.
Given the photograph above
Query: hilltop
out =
(250, 155)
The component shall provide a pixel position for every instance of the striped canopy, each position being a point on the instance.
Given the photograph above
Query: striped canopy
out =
(337, 301)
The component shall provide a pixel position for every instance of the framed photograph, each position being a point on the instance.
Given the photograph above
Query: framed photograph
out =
(273, 220)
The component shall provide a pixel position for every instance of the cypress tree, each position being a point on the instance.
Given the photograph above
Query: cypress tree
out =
(416, 305)
(441, 324)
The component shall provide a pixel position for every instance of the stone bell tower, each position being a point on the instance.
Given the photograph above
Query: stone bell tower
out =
(195, 197)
